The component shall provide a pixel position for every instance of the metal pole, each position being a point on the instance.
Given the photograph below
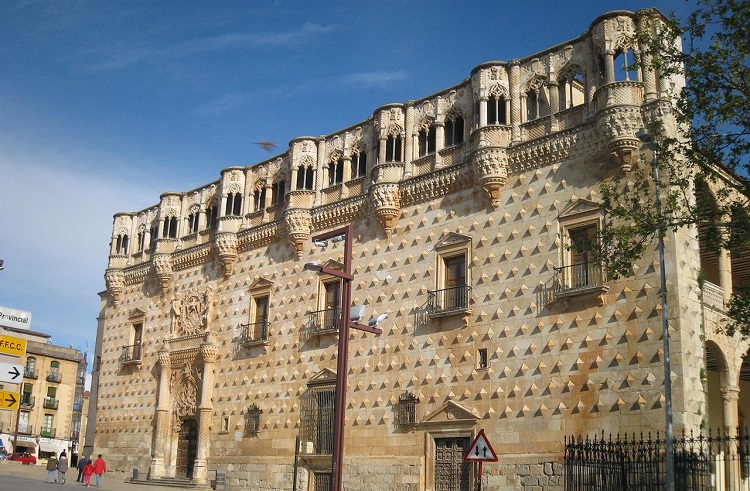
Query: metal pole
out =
(669, 444)
(18, 416)
(342, 366)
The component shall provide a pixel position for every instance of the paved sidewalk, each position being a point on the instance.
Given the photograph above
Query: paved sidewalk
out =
(17, 477)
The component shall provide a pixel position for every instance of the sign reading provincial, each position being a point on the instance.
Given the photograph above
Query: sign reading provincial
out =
(8, 400)
(12, 346)
(480, 450)
(20, 319)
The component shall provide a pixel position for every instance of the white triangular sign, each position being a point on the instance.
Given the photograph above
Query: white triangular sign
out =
(480, 450)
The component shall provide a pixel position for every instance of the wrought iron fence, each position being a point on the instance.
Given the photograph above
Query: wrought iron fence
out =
(131, 354)
(324, 320)
(254, 333)
(702, 463)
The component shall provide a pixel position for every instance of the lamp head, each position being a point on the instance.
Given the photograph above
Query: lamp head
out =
(338, 238)
(321, 243)
(314, 266)
(374, 321)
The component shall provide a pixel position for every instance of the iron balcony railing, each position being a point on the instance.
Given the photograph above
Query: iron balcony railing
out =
(453, 299)
(30, 373)
(74, 435)
(324, 320)
(131, 354)
(25, 429)
(254, 333)
(50, 403)
(578, 277)
(27, 401)
(54, 376)
(48, 432)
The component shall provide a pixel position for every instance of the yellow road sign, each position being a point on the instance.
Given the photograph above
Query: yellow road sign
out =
(8, 400)
(12, 346)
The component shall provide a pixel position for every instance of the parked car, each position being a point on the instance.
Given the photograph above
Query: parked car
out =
(25, 458)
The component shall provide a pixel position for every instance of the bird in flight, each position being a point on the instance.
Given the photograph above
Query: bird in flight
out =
(267, 145)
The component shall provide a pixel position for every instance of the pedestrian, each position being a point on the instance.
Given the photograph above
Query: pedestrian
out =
(81, 464)
(62, 468)
(88, 469)
(100, 467)
(51, 469)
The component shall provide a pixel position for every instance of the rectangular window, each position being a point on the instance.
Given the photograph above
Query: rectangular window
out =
(359, 165)
(212, 216)
(317, 418)
(260, 198)
(454, 131)
(234, 205)
(455, 281)
(277, 192)
(582, 270)
(452, 292)
(482, 360)
(332, 304)
(393, 149)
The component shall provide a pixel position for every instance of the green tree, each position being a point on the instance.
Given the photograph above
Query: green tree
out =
(704, 157)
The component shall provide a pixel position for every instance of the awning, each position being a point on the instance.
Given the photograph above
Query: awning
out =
(51, 447)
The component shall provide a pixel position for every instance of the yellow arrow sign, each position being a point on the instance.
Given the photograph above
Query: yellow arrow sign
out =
(8, 400)
(12, 346)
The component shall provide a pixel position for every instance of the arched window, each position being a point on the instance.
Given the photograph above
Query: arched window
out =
(393, 146)
(625, 67)
(30, 369)
(336, 171)
(259, 197)
(305, 177)
(496, 110)
(194, 220)
(121, 244)
(212, 215)
(571, 88)
(359, 163)
(234, 205)
(169, 230)
(278, 189)
(454, 130)
(426, 140)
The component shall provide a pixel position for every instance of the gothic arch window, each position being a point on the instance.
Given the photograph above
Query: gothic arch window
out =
(426, 137)
(393, 146)
(212, 214)
(625, 66)
(454, 128)
(537, 104)
(121, 244)
(571, 87)
(169, 230)
(259, 196)
(278, 190)
(497, 106)
(336, 169)
(141, 237)
(194, 219)
(359, 162)
(306, 176)
(234, 205)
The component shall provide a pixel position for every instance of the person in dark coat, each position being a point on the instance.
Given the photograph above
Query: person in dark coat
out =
(62, 468)
(81, 464)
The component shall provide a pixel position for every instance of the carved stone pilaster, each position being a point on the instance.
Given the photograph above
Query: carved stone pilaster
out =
(386, 202)
(298, 225)
(209, 352)
(115, 280)
(162, 430)
(491, 169)
(226, 246)
(163, 269)
(619, 125)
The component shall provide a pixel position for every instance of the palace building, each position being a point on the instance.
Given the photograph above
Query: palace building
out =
(217, 349)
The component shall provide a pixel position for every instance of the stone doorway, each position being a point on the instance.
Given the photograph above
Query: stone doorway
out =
(451, 472)
(187, 446)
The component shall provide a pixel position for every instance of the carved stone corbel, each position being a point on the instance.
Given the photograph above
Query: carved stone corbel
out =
(386, 203)
(226, 246)
(298, 225)
(491, 168)
(163, 268)
(115, 281)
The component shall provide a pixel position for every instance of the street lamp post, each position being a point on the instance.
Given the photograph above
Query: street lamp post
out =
(345, 324)
(649, 143)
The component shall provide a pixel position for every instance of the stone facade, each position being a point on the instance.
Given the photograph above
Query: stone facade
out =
(217, 349)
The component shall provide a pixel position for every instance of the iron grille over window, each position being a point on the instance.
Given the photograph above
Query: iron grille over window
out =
(317, 419)
(322, 481)
(406, 410)
(252, 420)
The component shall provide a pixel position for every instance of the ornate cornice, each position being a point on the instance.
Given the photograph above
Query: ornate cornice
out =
(577, 142)
(192, 257)
(258, 236)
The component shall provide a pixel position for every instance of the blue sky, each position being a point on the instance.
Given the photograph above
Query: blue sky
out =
(104, 105)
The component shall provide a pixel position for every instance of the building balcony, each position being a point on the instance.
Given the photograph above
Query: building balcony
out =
(25, 429)
(131, 354)
(54, 376)
(713, 295)
(586, 277)
(255, 334)
(323, 321)
(27, 401)
(74, 436)
(48, 432)
(50, 403)
(30, 373)
(449, 301)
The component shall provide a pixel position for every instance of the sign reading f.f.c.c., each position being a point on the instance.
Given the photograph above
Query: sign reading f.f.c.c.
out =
(11, 345)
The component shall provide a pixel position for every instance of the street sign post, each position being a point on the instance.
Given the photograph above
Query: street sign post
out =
(13, 346)
(10, 372)
(8, 400)
(480, 451)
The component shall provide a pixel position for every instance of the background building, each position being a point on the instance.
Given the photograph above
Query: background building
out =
(217, 350)
(51, 405)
